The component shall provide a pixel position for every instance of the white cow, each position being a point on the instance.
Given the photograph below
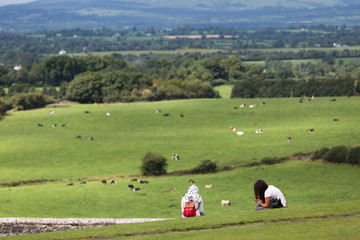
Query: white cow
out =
(208, 186)
(239, 133)
(225, 203)
(252, 105)
(259, 131)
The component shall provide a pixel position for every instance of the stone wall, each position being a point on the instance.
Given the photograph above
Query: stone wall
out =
(20, 226)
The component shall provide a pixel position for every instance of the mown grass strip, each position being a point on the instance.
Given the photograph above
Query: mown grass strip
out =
(206, 222)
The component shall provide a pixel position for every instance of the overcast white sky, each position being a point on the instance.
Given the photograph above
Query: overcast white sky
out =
(8, 2)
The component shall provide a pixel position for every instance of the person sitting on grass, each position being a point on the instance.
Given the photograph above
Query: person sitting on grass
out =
(191, 203)
(268, 196)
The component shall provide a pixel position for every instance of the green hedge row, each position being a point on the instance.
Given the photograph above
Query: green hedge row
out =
(339, 154)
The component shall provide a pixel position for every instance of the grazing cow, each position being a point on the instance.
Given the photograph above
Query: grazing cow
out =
(225, 203)
(166, 114)
(103, 181)
(333, 100)
(130, 186)
(252, 105)
(172, 189)
(312, 98)
(91, 138)
(175, 156)
(40, 125)
(87, 112)
(181, 115)
(158, 111)
(310, 130)
(208, 186)
(191, 181)
(84, 182)
(69, 184)
(259, 131)
(78, 136)
(301, 100)
(235, 107)
(289, 139)
(51, 112)
(233, 129)
(63, 125)
(136, 189)
(336, 120)
(54, 125)
(112, 182)
(134, 180)
(107, 114)
(242, 105)
(239, 133)
(143, 182)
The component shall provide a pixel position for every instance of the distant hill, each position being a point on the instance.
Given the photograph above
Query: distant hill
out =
(118, 14)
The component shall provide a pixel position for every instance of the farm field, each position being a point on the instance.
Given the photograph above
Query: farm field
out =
(303, 183)
(29, 152)
(318, 221)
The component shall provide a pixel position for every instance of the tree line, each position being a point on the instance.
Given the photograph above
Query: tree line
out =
(112, 79)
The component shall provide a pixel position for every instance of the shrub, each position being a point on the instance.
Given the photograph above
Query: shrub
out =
(205, 166)
(337, 154)
(353, 156)
(153, 164)
(25, 101)
(320, 154)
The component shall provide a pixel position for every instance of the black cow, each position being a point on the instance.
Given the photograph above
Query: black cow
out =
(84, 182)
(130, 186)
(103, 181)
(143, 182)
(40, 125)
(166, 114)
(336, 119)
(69, 184)
(136, 189)
(310, 130)
(333, 100)
(134, 180)
(87, 112)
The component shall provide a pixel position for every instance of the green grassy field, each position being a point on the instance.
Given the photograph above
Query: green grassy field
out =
(303, 183)
(306, 222)
(122, 139)
(224, 91)
(312, 189)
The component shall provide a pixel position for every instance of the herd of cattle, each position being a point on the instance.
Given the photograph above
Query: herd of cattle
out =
(134, 188)
(259, 131)
(63, 125)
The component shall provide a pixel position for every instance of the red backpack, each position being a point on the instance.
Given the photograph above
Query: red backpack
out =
(189, 209)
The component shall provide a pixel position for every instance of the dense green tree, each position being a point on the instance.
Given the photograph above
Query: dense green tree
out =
(85, 88)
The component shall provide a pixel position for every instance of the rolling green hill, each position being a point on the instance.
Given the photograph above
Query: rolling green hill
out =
(159, 13)
(29, 152)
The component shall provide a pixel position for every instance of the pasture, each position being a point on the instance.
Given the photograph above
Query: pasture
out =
(29, 152)
(312, 189)
(303, 183)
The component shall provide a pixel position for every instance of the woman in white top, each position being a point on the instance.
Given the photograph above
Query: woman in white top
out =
(268, 196)
(193, 193)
